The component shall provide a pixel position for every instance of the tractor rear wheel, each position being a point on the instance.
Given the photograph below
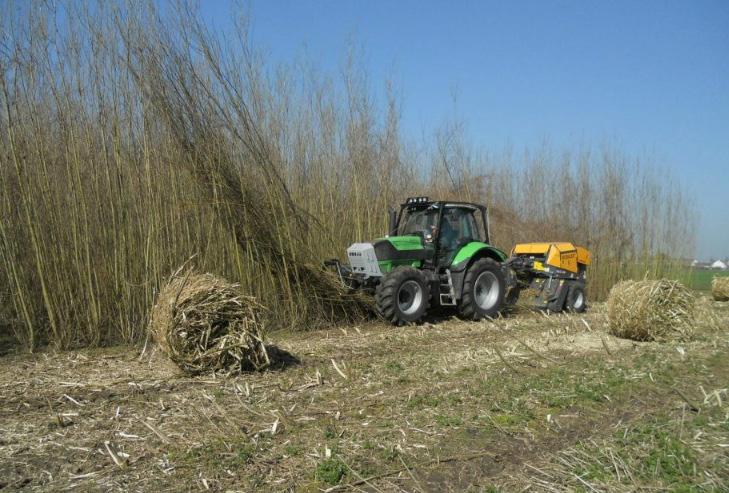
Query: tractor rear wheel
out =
(403, 295)
(483, 290)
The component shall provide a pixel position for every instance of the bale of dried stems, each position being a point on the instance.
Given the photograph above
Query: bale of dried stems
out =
(204, 324)
(661, 310)
(708, 318)
(720, 288)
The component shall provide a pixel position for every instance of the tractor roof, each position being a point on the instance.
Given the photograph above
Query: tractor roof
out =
(420, 202)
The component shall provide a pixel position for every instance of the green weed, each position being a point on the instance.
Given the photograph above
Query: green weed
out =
(330, 471)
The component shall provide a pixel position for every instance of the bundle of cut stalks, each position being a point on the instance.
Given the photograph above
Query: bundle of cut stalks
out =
(660, 310)
(720, 288)
(334, 300)
(204, 324)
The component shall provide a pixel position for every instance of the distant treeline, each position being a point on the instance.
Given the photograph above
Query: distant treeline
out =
(132, 139)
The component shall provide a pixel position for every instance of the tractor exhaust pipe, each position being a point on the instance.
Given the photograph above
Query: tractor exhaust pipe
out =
(392, 223)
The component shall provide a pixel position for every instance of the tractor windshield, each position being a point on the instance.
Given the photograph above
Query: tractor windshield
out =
(419, 221)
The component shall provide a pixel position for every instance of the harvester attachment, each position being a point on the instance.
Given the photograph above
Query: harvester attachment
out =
(553, 273)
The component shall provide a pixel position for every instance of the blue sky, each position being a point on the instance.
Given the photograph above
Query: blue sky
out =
(651, 77)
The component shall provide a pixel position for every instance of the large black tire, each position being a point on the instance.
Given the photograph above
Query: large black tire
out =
(403, 295)
(576, 299)
(558, 304)
(484, 288)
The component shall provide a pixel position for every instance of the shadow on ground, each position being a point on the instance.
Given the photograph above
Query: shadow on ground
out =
(280, 358)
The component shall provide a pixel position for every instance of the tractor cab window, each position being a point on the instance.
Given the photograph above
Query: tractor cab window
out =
(469, 225)
(458, 227)
(419, 221)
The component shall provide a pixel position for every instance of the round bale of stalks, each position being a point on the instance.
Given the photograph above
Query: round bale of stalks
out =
(660, 310)
(720, 288)
(204, 324)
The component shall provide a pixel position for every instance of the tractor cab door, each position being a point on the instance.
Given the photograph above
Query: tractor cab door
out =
(458, 227)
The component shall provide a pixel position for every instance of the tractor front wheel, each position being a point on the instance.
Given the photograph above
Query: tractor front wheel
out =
(483, 290)
(403, 295)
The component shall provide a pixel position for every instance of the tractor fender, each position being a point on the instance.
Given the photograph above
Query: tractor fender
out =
(469, 254)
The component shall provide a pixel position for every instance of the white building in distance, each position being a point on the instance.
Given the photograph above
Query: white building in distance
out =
(719, 265)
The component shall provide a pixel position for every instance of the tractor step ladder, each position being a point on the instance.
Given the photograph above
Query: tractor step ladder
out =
(449, 297)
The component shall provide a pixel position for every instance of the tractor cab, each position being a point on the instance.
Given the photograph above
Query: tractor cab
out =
(443, 227)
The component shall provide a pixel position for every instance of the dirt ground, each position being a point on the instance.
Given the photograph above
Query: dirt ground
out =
(529, 403)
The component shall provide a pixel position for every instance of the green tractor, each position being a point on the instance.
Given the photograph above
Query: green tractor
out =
(437, 253)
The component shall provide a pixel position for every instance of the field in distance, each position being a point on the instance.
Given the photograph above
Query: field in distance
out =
(700, 279)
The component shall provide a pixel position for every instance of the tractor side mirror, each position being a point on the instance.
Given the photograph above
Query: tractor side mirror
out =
(392, 223)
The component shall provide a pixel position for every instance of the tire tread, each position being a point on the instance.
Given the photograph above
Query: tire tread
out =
(467, 304)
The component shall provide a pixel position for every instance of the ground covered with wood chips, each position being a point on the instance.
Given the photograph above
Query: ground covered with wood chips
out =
(528, 403)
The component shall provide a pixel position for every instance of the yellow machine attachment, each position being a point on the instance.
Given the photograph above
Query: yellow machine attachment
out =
(565, 256)
(554, 271)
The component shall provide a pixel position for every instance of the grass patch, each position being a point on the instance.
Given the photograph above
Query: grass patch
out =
(293, 450)
(445, 420)
(245, 452)
(658, 454)
(421, 401)
(670, 448)
(390, 453)
(330, 432)
(330, 471)
(506, 419)
(219, 453)
(699, 279)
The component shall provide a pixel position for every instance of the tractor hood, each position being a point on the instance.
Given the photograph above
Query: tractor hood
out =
(409, 242)
(399, 248)
(384, 254)
(394, 251)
